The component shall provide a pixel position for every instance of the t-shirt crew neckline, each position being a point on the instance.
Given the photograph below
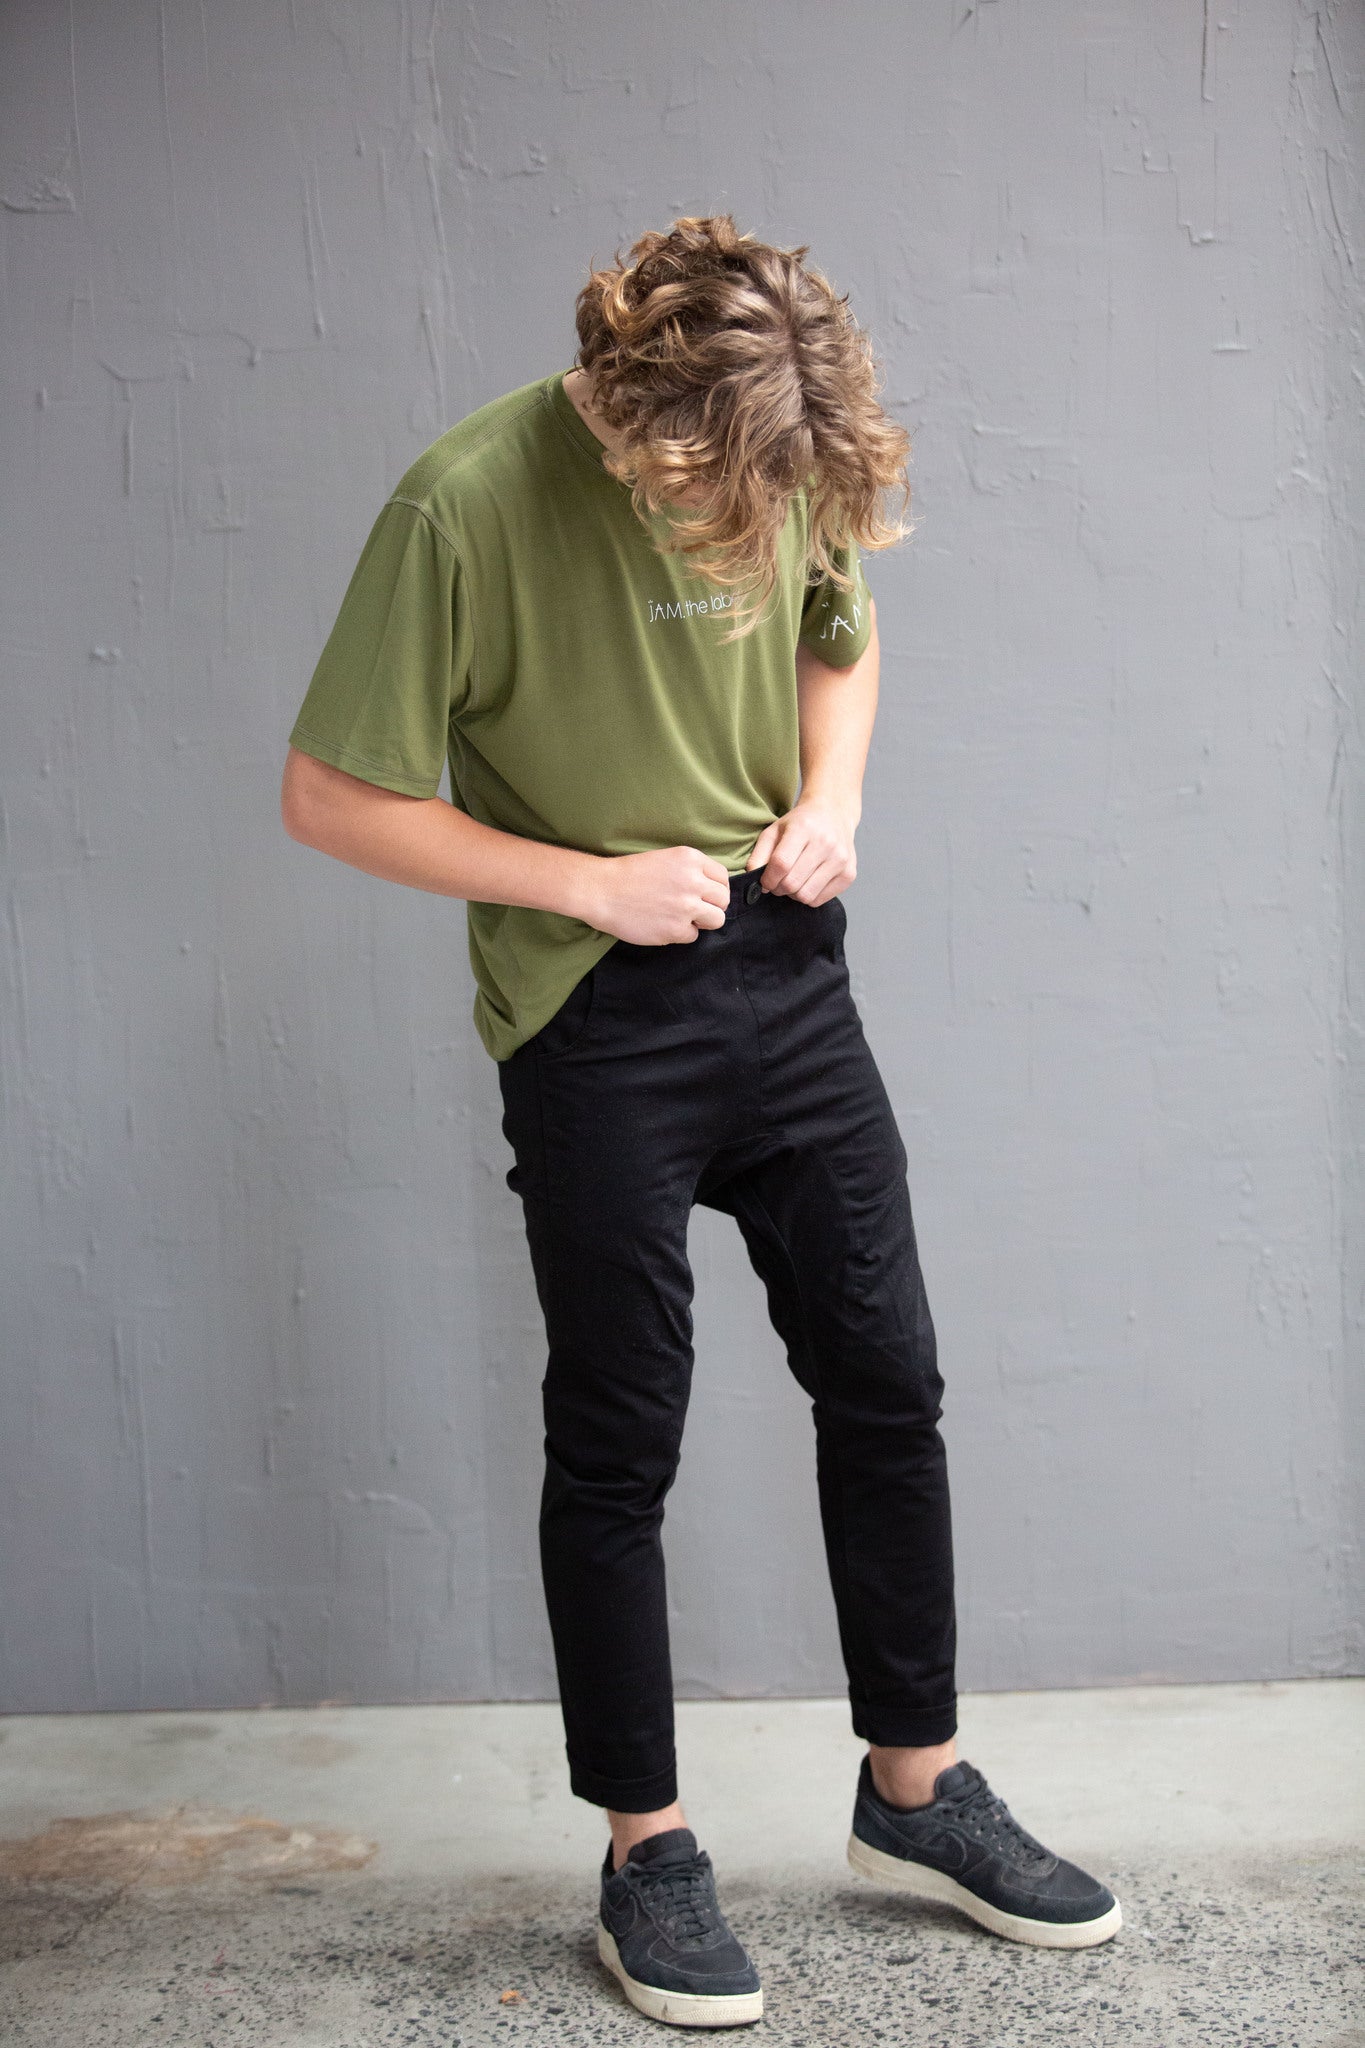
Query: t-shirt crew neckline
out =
(577, 428)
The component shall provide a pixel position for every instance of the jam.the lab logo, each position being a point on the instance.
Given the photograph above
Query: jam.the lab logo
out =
(688, 607)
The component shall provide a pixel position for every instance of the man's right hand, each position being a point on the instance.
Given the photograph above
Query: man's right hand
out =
(661, 898)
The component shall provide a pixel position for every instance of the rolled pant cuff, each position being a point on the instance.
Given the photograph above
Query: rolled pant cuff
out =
(905, 1727)
(625, 1795)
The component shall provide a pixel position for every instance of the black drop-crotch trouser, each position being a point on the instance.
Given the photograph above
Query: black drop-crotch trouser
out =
(731, 1071)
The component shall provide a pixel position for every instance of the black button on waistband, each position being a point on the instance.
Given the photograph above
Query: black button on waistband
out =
(753, 892)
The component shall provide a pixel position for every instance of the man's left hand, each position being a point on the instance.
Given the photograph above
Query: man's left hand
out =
(807, 852)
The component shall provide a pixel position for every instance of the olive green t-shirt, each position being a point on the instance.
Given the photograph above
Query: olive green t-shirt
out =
(511, 614)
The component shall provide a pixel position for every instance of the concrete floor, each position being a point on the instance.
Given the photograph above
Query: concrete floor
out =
(347, 1878)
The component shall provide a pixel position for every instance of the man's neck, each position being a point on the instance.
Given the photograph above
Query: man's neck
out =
(578, 391)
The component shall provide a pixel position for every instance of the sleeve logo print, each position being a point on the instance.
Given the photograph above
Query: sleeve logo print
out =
(842, 610)
(833, 621)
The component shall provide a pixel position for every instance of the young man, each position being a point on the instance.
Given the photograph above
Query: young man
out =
(626, 603)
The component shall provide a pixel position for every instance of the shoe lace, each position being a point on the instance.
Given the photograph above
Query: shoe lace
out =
(684, 1892)
(985, 1813)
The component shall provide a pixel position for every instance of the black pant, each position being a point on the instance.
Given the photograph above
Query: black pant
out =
(731, 1071)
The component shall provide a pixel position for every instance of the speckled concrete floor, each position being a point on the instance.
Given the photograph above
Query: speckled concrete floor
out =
(354, 1878)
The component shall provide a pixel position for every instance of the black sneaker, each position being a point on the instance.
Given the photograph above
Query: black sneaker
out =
(969, 1850)
(663, 1934)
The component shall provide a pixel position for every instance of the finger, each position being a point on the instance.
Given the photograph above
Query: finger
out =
(822, 883)
(829, 879)
(714, 870)
(818, 858)
(832, 885)
(763, 846)
(803, 870)
(784, 862)
(708, 917)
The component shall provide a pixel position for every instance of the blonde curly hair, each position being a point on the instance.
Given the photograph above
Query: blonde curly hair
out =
(736, 376)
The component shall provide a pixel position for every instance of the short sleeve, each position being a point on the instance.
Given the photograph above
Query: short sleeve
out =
(836, 624)
(398, 662)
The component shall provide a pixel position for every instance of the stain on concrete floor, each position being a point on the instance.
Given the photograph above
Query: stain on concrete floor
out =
(174, 1845)
(1263, 1953)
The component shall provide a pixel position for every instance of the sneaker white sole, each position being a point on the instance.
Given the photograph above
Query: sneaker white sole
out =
(679, 2008)
(925, 1883)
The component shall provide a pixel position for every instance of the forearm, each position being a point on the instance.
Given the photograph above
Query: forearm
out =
(838, 708)
(429, 844)
(809, 851)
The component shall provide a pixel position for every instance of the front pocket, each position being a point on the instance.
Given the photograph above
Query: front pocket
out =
(560, 1033)
(831, 923)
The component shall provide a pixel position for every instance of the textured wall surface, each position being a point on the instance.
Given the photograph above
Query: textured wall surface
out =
(271, 1346)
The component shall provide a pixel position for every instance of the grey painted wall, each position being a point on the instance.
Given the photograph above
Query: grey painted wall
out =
(272, 1352)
